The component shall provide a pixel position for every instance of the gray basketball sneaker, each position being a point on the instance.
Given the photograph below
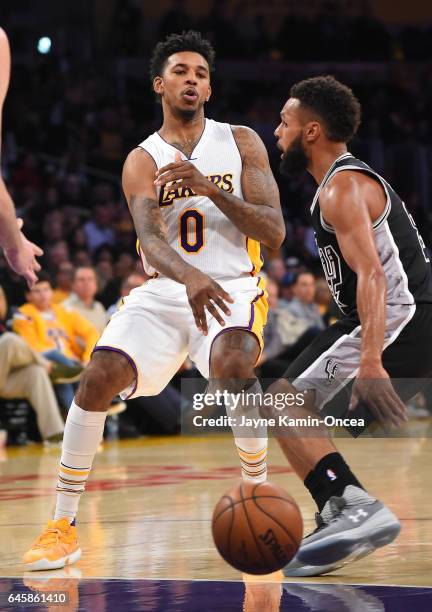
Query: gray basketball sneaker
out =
(348, 528)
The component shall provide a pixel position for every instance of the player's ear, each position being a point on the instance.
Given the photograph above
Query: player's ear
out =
(209, 92)
(158, 85)
(313, 131)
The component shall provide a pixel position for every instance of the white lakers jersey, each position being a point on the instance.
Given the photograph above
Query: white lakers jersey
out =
(196, 228)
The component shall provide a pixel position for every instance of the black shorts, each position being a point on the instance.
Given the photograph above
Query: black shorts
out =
(330, 363)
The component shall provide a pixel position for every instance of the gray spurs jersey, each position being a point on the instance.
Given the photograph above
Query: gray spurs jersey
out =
(401, 249)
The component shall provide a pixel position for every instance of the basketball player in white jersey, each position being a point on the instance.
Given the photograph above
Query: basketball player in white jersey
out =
(200, 240)
(19, 252)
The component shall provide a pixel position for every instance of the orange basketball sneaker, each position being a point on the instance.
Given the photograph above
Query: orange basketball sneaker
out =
(56, 547)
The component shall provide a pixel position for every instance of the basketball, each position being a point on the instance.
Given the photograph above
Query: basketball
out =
(257, 528)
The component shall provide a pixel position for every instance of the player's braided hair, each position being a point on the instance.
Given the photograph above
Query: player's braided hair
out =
(174, 43)
(333, 102)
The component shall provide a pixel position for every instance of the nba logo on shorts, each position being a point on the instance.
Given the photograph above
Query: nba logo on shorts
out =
(331, 475)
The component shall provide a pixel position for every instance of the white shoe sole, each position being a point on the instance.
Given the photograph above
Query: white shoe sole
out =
(336, 550)
(45, 564)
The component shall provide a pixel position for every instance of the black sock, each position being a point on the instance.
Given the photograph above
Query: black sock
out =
(337, 475)
(329, 477)
(317, 489)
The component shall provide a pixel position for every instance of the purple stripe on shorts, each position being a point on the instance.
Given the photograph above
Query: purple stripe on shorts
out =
(256, 298)
(252, 317)
(128, 357)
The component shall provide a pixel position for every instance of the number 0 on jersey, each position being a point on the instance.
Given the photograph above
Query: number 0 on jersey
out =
(192, 231)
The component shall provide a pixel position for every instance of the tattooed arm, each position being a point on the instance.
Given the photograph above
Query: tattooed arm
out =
(141, 196)
(140, 191)
(259, 215)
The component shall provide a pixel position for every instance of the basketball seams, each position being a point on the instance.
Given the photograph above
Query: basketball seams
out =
(234, 503)
(231, 525)
(275, 520)
(250, 526)
(214, 520)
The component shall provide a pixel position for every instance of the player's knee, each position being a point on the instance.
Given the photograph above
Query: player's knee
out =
(104, 377)
(231, 365)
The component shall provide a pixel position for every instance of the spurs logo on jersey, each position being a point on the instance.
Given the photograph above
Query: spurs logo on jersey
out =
(331, 367)
(196, 228)
(332, 269)
(400, 247)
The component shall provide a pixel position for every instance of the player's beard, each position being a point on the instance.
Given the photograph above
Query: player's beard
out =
(294, 160)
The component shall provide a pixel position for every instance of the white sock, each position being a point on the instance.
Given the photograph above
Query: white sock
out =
(251, 445)
(253, 458)
(82, 435)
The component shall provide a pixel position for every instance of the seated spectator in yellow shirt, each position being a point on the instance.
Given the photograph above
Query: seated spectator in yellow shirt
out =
(26, 374)
(60, 334)
(82, 298)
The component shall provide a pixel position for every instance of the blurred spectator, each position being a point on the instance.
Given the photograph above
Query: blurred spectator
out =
(302, 304)
(83, 301)
(56, 253)
(62, 336)
(328, 309)
(63, 282)
(3, 311)
(286, 289)
(28, 173)
(99, 230)
(285, 337)
(82, 258)
(78, 239)
(105, 273)
(25, 374)
(123, 267)
(132, 281)
(276, 269)
(53, 226)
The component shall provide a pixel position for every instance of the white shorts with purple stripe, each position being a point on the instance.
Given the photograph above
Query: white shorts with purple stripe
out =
(155, 329)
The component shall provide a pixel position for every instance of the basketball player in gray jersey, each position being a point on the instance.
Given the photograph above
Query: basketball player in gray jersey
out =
(20, 253)
(378, 270)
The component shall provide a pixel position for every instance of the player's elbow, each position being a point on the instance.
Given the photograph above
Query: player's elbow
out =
(372, 275)
(276, 237)
(149, 250)
(378, 276)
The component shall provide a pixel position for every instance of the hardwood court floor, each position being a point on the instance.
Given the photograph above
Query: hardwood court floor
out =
(146, 512)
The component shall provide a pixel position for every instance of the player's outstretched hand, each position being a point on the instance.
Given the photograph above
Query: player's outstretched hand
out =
(184, 171)
(205, 293)
(373, 387)
(23, 260)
